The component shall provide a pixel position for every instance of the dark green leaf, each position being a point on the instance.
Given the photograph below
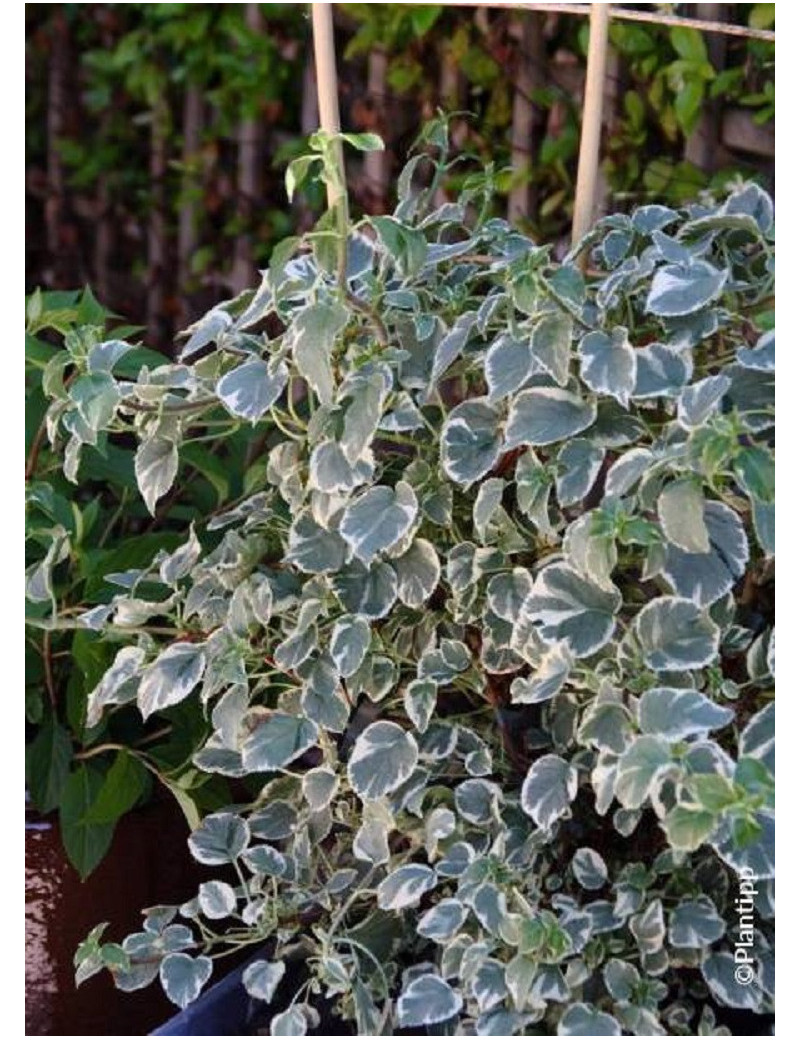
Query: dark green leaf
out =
(48, 760)
(123, 785)
(85, 843)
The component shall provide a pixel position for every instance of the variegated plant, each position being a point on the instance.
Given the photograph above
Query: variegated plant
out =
(487, 646)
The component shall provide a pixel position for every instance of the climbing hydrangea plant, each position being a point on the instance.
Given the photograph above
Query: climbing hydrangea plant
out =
(486, 650)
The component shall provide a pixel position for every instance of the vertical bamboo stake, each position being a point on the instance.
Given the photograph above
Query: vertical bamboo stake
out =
(328, 87)
(592, 122)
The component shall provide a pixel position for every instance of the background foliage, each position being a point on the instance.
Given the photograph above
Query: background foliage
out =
(91, 771)
(158, 133)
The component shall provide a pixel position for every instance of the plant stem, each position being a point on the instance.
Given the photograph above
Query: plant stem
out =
(181, 406)
(165, 731)
(47, 660)
(114, 518)
(381, 332)
(342, 912)
(282, 428)
(100, 750)
(36, 447)
(237, 867)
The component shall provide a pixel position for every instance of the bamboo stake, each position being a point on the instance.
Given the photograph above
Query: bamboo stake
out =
(625, 14)
(327, 87)
(591, 123)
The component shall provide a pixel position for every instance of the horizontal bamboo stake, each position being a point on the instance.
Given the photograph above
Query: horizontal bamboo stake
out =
(625, 15)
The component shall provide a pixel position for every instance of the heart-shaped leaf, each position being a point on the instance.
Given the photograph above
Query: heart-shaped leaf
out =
(471, 441)
(679, 289)
(427, 1000)
(277, 741)
(378, 519)
(608, 364)
(565, 606)
(171, 677)
(261, 978)
(547, 415)
(383, 757)
(183, 977)
(219, 839)
(675, 634)
(585, 1020)
(249, 391)
(405, 886)
(677, 714)
(549, 789)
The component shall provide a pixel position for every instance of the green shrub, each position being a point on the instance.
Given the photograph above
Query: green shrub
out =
(86, 528)
(489, 632)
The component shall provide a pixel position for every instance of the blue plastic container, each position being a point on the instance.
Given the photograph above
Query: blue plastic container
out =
(221, 1011)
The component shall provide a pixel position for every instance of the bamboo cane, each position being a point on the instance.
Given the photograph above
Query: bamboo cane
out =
(327, 87)
(628, 14)
(591, 123)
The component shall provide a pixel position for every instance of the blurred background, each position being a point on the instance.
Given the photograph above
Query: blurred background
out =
(158, 134)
